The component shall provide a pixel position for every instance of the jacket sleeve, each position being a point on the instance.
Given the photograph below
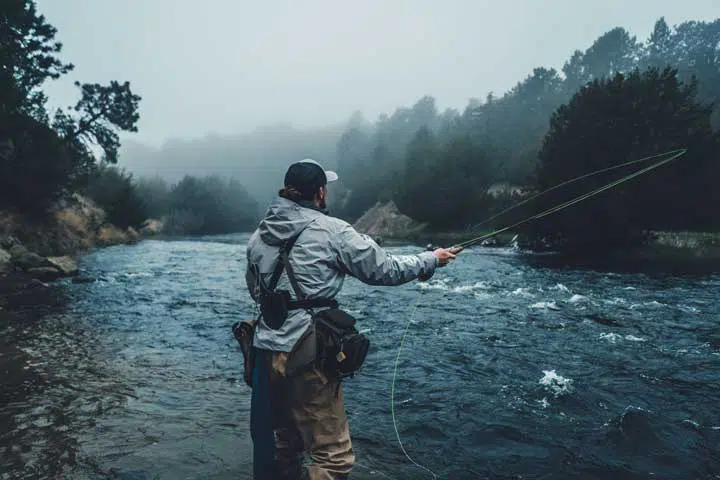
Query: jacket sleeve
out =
(252, 283)
(365, 260)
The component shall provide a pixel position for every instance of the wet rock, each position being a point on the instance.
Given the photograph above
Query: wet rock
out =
(151, 227)
(66, 265)
(386, 220)
(45, 274)
(25, 259)
(110, 235)
(35, 283)
(132, 235)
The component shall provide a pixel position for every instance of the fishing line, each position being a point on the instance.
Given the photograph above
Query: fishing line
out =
(675, 154)
(578, 199)
(392, 391)
(581, 177)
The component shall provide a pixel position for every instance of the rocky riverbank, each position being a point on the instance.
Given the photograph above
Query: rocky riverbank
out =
(35, 251)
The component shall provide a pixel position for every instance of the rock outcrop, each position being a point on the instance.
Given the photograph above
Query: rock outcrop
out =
(20, 259)
(386, 221)
(45, 248)
(152, 227)
(65, 265)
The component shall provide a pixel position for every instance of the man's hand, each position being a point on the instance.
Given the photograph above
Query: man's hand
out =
(446, 255)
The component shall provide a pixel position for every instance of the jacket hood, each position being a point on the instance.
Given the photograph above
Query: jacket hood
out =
(284, 219)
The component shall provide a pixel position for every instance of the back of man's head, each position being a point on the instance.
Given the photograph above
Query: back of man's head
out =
(306, 177)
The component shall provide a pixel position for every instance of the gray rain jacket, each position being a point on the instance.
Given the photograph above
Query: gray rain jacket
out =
(327, 249)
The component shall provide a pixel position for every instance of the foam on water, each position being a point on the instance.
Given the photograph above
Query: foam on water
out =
(556, 384)
(470, 288)
(482, 295)
(522, 292)
(688, 309)
(577, 298)
(654, 303)
(611, 337)
(439, 284)
(615, 301)
(614, 337)
(545, 305)
(444, 285)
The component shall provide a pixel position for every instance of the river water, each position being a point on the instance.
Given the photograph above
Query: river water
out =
(510, 370)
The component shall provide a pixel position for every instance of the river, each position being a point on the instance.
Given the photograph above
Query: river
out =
(510, 370)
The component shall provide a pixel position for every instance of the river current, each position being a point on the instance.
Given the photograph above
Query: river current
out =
(510, 370)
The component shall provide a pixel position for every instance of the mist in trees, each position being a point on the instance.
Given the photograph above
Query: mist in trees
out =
(256, 159)
(614, 101)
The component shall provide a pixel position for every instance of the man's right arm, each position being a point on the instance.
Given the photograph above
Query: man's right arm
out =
(365, 260)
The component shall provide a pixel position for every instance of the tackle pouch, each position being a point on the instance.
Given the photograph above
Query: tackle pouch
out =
(243, 333)
(341, 348)
(275, 306)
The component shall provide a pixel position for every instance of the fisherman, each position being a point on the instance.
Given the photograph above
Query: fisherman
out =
(302, 412)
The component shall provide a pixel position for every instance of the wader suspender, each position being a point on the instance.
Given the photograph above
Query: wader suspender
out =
(301, 303)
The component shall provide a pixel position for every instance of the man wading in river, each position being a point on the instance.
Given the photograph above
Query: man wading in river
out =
(304, 345)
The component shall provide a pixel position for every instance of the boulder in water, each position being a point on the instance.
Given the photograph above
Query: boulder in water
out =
(66, 265)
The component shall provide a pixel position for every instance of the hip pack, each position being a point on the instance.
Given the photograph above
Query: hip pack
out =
(341, 348)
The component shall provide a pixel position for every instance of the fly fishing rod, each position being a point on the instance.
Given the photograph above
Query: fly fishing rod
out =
(671, 156)
(576, 179)
(675, 154)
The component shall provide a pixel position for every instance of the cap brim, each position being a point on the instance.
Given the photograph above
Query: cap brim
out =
(331, 176)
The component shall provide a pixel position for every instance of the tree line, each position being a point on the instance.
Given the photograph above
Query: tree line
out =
(194, 205)
(619, 99)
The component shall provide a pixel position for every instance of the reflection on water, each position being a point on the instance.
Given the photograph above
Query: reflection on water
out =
(510, 370)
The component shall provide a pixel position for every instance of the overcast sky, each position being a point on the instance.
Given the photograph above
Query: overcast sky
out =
(226, 66)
